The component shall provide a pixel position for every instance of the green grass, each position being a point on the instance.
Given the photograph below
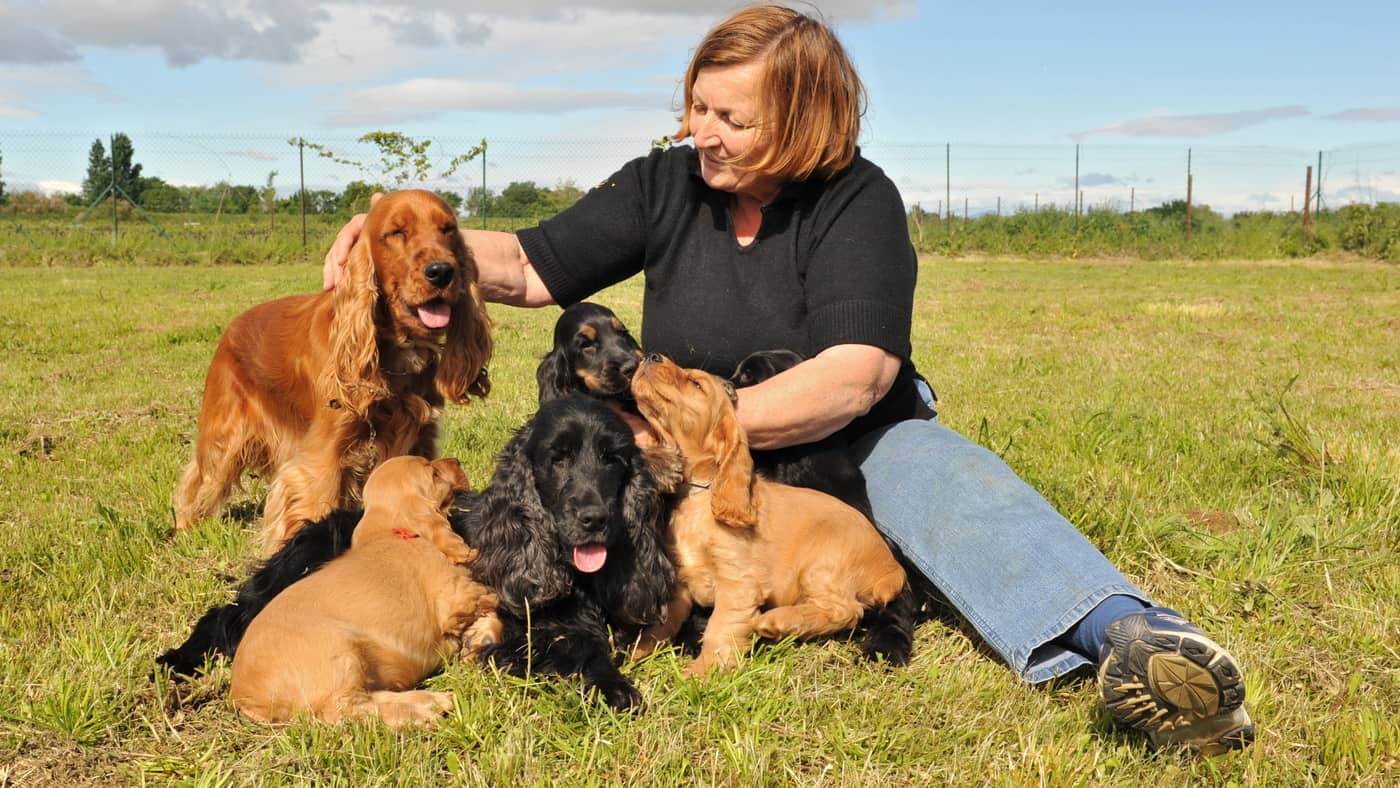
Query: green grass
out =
(1228, 433)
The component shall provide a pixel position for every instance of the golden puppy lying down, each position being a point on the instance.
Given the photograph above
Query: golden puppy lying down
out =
(771, 559)
(354, 638)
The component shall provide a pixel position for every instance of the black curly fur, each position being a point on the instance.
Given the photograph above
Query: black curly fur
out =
(571, 476)
(221, 627)
(593, 353)
(827, 466)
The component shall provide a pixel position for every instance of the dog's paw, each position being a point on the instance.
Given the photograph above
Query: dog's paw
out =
(484, 632)
(458, 553)
(619, 695)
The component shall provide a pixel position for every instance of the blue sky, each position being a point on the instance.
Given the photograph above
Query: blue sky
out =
(1254, 90)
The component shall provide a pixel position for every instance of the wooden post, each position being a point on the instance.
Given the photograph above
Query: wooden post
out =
(1132, 196)
(964, 209)
(998, 207)
(1307, 201)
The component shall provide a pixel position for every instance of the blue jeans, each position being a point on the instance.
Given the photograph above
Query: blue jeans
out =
(1019, 572)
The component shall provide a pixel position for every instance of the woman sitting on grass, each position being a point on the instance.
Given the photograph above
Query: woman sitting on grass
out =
(773, 231)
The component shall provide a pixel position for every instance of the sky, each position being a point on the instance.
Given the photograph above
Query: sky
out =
(969, 102)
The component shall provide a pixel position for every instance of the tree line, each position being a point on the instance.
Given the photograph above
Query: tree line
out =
(117, 172)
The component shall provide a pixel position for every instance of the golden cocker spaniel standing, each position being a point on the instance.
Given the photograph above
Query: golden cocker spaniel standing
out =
(353, 638)
(316, 390)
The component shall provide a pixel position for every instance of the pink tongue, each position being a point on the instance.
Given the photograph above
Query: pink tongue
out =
(435, 315)
(591, 558)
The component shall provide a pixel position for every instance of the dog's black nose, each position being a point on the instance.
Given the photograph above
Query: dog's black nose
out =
(438, 273)
(591, 518)
(653, 358)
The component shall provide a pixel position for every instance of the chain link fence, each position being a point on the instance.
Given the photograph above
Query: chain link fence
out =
(201, 188)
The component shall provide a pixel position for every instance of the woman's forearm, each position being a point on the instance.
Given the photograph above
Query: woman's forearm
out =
(503, 271)
(817, 397)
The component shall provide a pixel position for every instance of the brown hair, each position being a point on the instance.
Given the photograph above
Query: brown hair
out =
(811, 100)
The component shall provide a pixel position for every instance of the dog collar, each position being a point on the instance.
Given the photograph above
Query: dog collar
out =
(404, 533)
(693, 488)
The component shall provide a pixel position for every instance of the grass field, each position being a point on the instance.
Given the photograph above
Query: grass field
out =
(1228, 433)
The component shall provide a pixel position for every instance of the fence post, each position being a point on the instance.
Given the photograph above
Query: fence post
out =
(1188, 208)
(112, 155)
(483, 190)
(1319, 181)
(301, 165)
(1307, 201)
(1188, 194)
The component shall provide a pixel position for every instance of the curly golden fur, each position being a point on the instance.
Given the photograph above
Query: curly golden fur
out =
(314, 391)
(771, 559)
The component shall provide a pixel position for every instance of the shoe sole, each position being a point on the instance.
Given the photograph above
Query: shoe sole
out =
(1192, 695)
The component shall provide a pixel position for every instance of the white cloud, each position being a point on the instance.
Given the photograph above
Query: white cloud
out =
(59, 187)
(9, 109)
(1188, 126)
(275, 31)
(1367, 115)
(422, 99)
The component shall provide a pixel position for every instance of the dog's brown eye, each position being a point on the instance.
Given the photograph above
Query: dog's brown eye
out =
(449, 228)
(400, 233)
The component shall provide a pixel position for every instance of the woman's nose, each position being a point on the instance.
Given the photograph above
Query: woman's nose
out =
(701, 127)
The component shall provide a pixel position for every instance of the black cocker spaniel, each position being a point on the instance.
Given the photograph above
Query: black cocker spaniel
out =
(570, 534)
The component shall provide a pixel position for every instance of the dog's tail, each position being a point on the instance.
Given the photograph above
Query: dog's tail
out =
(221, 628)
(889, 629)
(210, 636)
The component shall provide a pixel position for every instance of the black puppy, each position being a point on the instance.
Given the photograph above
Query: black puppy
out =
(824, 465)
(593, 353)
(827, 466)
(570, 534)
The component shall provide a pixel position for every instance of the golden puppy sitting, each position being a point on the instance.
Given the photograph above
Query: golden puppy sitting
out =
(772, 559)
(353, 638)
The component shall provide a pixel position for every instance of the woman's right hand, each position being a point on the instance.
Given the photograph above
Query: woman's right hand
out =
(334, 268)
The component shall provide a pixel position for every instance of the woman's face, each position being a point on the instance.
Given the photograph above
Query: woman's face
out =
(724, 123)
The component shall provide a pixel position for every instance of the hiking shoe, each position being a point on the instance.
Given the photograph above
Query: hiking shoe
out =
(1160, 674)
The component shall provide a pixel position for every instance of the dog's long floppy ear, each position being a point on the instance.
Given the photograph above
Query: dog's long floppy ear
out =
(731, 491)
(448, 480)
(553, 375)
(517, 550)
(644, 579)
(462, 370)
(354, 377)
